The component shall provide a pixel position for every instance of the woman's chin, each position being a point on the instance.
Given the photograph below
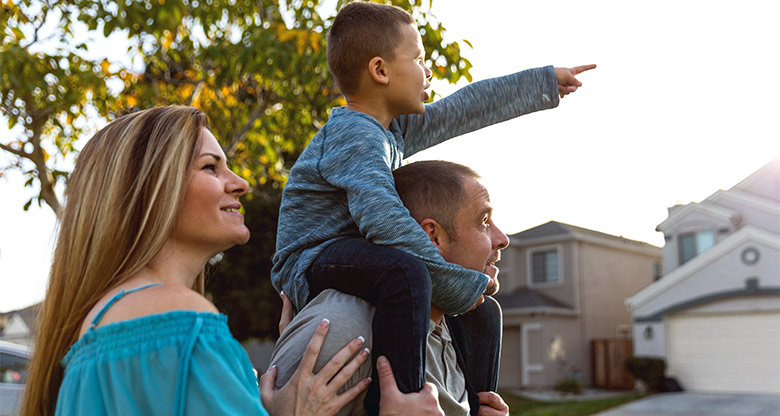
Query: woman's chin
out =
(242, 238)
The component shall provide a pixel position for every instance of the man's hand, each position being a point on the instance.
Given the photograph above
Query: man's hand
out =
(309, 394)
(567, 83)
(392, 402)
(491, 404)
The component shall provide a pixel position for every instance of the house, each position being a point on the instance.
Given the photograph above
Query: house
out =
(715, 315)
(19, 326)
(563, 287)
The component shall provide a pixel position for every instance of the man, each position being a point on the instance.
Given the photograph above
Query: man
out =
(454, 210)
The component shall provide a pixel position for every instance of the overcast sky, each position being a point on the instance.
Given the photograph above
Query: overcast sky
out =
(682, 104)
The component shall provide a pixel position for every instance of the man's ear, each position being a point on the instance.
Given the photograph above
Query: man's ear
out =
(378, 70)
(435, 232)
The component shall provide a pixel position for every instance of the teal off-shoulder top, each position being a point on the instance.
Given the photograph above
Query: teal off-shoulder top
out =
(174, 363)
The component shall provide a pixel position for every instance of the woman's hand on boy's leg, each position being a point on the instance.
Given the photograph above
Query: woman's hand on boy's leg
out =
(288, 312)
(567, 82)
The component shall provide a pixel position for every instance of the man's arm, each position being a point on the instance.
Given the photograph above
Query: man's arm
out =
(320, 393)
(349, 316)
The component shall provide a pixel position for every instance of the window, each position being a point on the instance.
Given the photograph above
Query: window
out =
(544, 266)
(693, 244)
(12, 369)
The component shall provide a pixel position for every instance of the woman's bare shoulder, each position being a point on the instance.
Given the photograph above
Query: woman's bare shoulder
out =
(166, 298)
(152, 300)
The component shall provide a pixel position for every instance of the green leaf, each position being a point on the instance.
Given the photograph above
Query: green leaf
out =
(17, 33)
(108, 27)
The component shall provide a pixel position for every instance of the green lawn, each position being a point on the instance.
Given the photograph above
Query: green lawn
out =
(520, 406)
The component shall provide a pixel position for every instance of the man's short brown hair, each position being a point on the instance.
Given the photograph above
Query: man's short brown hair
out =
(434, 189)
(360, 32)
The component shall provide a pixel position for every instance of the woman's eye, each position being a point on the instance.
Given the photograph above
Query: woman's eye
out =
(210, 167)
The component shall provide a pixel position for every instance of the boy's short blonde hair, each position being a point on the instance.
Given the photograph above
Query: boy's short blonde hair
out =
(361, 31)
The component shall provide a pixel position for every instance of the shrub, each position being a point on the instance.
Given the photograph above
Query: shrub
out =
(569, 385)
(649, 370)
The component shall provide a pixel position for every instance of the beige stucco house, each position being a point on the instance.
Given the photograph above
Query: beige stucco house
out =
(562, 287)
(715, 315)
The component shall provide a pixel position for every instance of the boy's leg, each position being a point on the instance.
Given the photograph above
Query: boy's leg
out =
(478, 336)
(399, 285)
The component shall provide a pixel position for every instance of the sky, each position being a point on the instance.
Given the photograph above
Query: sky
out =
(681, 105)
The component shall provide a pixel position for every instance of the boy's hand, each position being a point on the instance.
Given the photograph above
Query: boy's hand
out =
(567, 83)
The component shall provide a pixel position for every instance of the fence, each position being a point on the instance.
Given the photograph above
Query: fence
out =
(609, 363)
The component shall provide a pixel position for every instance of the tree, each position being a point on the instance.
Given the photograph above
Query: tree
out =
(45, 95)
(257, 68)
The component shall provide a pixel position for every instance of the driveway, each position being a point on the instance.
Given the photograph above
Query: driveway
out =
(700, 404)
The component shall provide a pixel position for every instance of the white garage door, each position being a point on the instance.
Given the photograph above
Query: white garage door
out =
(726, 352)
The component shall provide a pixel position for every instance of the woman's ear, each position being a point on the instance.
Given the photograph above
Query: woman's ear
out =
(378, 70)
(435, 232)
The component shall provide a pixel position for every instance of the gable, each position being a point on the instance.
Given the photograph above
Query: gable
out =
(695, 216)
(15, 327)
(723, 269)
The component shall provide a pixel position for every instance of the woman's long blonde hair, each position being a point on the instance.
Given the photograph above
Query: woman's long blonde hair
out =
(121, 204)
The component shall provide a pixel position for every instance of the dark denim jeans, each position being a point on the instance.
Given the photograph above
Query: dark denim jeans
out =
(399, 286)
(477, 337)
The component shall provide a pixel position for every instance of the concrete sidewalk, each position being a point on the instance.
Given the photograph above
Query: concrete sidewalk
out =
(700, 404)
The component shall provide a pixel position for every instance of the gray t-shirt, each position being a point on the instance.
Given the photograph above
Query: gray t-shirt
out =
(442, 369)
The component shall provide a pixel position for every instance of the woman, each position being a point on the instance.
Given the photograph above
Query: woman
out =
(124, 328)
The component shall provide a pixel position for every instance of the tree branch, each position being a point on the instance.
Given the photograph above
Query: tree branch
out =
(256, 113)
(196, 92)
(19, 152)
(36, 30)
(44, 174)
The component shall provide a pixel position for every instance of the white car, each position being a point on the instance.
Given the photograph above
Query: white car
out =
(13, 375)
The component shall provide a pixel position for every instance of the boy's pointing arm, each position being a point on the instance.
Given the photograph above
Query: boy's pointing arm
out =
(487, 102)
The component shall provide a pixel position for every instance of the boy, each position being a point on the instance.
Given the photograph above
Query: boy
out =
(342, 224)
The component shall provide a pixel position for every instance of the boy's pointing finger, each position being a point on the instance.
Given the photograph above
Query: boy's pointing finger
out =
(582, 68)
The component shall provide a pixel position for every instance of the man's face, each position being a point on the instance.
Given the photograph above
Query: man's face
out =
(478, 241)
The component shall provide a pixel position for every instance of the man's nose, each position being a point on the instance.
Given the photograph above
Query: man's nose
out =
(500, 240)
